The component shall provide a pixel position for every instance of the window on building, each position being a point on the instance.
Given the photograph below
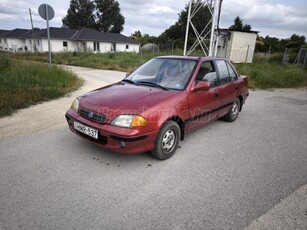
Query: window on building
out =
(113, 48)
(84, 48)
(127, 47)
(96, 46)
(65, 44)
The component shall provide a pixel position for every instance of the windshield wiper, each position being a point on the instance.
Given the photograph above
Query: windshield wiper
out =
(129, 81)
(152, 84)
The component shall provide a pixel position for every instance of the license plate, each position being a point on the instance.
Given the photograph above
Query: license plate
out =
(86, 130)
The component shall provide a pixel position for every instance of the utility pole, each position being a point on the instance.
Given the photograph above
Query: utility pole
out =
(33, 33)
(187, 29)
(208, 33)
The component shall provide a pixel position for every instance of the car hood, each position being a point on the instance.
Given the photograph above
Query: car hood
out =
(123, 98)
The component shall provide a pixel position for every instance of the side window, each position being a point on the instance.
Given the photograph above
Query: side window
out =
(232, 73)
(223, 71)
(207, 73)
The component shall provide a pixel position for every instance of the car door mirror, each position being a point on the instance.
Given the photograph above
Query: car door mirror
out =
(201, 86)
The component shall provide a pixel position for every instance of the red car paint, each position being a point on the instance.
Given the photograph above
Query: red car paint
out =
(193, 104)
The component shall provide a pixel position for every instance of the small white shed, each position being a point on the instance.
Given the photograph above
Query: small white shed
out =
(237, 46)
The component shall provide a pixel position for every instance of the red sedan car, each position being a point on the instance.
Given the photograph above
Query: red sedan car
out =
(156, 105)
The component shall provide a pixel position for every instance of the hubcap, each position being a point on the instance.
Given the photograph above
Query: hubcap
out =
(235, 110)
(168, 141)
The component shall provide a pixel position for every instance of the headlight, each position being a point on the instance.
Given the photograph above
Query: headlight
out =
(75, 105)
(129, 121)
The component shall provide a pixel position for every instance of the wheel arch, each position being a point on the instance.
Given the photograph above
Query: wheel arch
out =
(180, 123)
(241, 102)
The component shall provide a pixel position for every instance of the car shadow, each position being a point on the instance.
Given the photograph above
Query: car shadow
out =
(87, 149)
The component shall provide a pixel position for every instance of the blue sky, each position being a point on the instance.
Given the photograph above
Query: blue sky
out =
(276, 18)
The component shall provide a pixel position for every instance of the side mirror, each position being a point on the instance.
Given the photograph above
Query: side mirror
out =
(201, 86)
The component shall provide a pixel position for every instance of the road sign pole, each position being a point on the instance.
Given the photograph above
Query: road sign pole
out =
(47, 13)
(48, 34)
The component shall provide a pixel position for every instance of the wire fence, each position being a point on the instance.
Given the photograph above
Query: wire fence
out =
(301, 59)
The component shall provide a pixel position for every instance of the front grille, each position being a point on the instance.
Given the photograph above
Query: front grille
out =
(93, 116)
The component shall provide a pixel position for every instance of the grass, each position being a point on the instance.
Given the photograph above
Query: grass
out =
(110, 61)
(262, 75)
(120, 61)
(23, 84)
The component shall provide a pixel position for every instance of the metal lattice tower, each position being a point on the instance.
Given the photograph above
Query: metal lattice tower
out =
(202, 37)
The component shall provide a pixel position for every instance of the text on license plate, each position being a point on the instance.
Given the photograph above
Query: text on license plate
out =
(86, 130)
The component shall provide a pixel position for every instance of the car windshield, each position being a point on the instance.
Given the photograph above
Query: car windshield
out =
(165, 73)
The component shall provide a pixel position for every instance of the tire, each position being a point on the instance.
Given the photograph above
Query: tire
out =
(167, 141)
(233, 113)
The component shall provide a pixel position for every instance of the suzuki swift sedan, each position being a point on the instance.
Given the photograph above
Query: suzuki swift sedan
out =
(154, 107)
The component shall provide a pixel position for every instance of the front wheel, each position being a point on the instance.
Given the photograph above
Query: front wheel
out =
(233, 113)
(167, 141)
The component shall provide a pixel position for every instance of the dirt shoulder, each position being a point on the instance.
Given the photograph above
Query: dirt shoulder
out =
(51, 115)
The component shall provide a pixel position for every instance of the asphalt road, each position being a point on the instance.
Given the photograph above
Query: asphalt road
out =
(223, 176)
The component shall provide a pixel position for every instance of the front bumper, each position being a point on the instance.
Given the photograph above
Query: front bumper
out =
(122, 140)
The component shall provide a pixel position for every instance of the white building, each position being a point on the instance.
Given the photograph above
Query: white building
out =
(3, 40)
(13, 40)
(237, 46)
(64, 39)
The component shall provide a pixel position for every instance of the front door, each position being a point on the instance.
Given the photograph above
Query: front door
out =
(204, 105)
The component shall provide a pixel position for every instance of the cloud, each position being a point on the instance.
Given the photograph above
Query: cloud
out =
(274, 19)
(12, 10)
(278, 18)
(150, 17)
(8, 17)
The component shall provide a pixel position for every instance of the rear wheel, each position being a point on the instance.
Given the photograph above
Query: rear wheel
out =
(233, 113)
(167, 141)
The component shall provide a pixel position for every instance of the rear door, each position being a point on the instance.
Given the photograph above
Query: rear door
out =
(229, 87)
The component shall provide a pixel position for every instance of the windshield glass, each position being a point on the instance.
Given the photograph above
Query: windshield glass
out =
(165, 72)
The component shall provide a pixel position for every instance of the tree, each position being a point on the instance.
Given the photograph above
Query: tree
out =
(137, 34)
(247, 27)
(296, 41)
(272, 43)
(80, 15)
(103, 15)
(174, 32)
(238, 25)
(109, 18)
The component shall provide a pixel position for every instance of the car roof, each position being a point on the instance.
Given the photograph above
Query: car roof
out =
(195, 58)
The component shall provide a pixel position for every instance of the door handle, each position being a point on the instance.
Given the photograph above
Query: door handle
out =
(236, 87)
(216, 94)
